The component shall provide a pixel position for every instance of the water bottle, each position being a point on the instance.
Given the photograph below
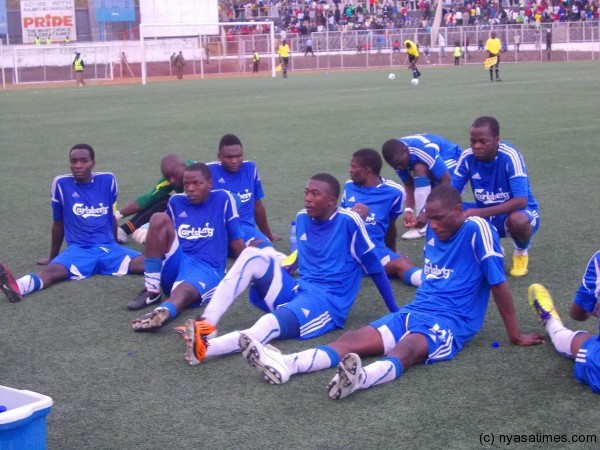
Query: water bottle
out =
(293, 243)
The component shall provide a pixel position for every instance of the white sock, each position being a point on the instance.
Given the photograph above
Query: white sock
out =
(311, 360)
(560, 336)
(253, 263)
(152, 281)
(520, 251)
(27, 285)
(421, 194)
(377, 373)
(415, 278)
(264, 330)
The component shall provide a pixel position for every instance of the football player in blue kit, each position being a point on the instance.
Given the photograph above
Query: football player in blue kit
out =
(233, 173)
(498, 177)
(463, 262)
(83, 205)
(186, 246)
(385, 200)
(421, 161)
(334, 250)
(582, 346)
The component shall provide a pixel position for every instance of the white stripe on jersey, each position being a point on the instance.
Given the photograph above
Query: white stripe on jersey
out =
(361, 226)
(394, 185)
(597, 279)
(581, 356)
(315, 324)
(423, 155)
(233, 205)
(451, 163)
(463, 155)
(513, 154)
(433, 145)
(486, 237)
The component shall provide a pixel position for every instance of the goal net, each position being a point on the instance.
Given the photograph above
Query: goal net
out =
(205, 47)
(54, 62)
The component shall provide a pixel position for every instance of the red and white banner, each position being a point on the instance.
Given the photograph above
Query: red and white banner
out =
(54, 19)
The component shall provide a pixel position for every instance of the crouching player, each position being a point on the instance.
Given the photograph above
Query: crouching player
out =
(582, 346)
(463, 262)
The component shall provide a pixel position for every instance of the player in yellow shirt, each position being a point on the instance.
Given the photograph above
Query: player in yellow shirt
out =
(284, 55)
(493, 46)
(413, 57)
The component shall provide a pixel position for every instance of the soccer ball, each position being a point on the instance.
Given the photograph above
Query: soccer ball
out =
(414, 81)
(391, 76)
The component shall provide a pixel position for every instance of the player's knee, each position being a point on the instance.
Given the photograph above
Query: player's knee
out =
(411, 350)
(420, 170)
(518, 225)
(159, 221)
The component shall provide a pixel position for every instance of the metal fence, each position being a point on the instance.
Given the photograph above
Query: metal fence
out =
(230, 53)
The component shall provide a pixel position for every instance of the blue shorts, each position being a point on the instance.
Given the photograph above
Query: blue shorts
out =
(499, 222)
(180, 268)
(587, 364)
(312, 313)
(385, 255)
(281, 291)
(277, 288)
(83, 261)
(252, 233)
(440, 339)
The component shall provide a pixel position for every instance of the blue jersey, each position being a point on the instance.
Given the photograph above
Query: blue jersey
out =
(496, 181)
(245, 183)
(457, 275)
(204, 231)
(332, 256)
(85, 209)
(438, 154)
(385, 202)
(588, 294)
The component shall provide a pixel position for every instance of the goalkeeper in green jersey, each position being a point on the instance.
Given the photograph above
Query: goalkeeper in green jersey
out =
(155, 200)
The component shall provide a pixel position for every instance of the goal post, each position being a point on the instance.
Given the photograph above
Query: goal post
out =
(159, 40)
(54, 63)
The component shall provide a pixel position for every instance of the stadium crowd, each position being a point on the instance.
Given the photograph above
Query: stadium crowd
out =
(305, 16)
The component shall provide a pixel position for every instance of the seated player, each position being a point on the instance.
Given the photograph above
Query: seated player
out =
(421, 161)
(83, 215)
(582, 346)
(334, 250)
(463, 263)
(186, 247)
(241, 177)
(500, 185)
(155, 200)
(385, 199)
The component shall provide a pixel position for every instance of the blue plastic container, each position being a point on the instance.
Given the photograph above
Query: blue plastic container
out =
(23, 424)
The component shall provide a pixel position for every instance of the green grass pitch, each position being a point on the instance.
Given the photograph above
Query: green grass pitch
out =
(113, 388)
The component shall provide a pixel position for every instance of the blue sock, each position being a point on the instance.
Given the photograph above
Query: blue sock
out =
(289, 327)
(172, 309)
(522, 245)
(397, 365)
(153, 265)
(333, 356)
(407, 275)
(422, 182)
